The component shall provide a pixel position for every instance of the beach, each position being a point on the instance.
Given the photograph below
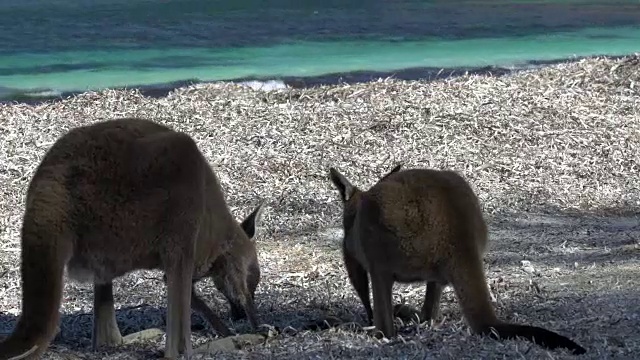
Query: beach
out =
(158, 45)
(553, 154)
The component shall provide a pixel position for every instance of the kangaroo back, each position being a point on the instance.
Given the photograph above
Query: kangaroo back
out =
(428, 210)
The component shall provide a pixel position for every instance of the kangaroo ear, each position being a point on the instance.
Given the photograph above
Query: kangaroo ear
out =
(394, 170)
(342, 184)
(249, 223)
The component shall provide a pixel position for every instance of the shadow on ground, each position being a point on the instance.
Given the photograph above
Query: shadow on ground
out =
(560, 240)
(596, 302)
(610, 317)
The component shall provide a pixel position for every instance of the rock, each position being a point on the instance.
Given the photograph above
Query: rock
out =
(144, 335)
(229, 343)
(527, 267)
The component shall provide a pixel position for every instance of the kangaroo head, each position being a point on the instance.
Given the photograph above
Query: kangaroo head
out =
(238, 272)
(350, 193)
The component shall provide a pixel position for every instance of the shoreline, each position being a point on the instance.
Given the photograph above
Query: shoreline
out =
(156, 91)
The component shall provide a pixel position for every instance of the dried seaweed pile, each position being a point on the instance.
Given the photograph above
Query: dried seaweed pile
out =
(558, 139)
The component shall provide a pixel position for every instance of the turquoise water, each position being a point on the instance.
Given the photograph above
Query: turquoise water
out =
(48, 47)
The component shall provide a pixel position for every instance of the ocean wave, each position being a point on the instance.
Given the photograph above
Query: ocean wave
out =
(8, 94)
(34, 96)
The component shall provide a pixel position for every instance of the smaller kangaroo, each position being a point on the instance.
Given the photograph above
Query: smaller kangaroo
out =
(117, 196)
(424, 225)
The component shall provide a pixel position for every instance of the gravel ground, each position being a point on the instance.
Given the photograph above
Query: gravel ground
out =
(553, 154)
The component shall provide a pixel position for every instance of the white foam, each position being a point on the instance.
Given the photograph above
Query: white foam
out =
(43, 93)
(268, 85)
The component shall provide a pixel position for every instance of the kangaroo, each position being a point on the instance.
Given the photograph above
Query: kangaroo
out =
(122, 195)
(423, 225)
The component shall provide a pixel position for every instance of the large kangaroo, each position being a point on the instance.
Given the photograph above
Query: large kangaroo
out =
(117, 196)
(423, 225)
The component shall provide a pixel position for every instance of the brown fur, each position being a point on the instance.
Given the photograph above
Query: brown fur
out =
(423, 225)
(118, 196)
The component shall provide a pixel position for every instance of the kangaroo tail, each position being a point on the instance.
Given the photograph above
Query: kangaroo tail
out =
(44, 256)
(473, 293)
(540, 336)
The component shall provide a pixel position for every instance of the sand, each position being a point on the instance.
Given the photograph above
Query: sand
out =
(553, 154)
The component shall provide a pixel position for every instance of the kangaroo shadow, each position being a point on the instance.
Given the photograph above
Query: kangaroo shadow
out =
(292, 314)
(75, 328)
(557, 239)
(572, 317)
